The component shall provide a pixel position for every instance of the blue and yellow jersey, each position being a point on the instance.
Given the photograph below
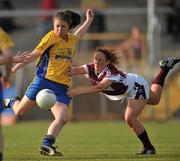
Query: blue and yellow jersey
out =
(5, 40)
(56, 57)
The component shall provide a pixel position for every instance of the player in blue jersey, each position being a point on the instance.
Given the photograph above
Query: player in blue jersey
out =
(54, 56)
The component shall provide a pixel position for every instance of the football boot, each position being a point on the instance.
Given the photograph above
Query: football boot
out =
(49, 150)
(169, 62)
(150, 150)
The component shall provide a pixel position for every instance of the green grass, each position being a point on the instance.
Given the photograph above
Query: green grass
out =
(92, 141)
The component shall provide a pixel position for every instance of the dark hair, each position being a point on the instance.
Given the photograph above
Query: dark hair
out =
(109, 53)
(73, 19)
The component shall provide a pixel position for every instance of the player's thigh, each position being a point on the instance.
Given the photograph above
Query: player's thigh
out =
(26, 104)
(134, 107)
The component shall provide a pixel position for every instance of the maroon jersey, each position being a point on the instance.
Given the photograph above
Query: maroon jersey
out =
(117, 87)
(125, 85)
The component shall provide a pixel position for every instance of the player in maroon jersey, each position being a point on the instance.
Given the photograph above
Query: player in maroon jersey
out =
(118, 85)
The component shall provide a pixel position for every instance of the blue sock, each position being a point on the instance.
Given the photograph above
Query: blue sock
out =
(48, 140)
(11, 103)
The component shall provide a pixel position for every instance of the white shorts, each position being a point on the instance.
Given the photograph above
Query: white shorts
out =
(139, 91)
(138, 88)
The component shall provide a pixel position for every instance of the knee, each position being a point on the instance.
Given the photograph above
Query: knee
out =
(155, 101)
(155, 97)
(62, 121)
(130, 121)
(18, 113)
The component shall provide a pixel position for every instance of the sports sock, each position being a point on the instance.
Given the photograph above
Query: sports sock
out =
(161, 76)
(48, 140)
(145, 139)
(11, 103)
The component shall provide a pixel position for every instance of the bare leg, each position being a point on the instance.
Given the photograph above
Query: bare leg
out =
(133, 110)
(60, 112)
(157, 84)
(155, 94)
(23, 106)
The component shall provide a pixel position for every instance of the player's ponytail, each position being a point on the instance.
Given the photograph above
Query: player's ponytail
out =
(73, 19)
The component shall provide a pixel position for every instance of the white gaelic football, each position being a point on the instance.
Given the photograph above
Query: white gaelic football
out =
(45, 99)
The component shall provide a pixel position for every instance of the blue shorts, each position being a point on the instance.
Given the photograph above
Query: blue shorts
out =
(42, 83)
(1, 99)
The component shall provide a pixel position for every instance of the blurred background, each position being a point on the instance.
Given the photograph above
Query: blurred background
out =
(143, 31)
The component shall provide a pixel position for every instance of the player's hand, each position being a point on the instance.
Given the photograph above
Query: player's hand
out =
(73, 92)
(22, 57)
(90, 14)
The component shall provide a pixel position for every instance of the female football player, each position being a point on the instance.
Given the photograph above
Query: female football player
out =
(117, 85)
(54, 56)
(6, 59)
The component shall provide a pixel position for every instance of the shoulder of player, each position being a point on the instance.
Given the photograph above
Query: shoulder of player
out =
(112, 68)
(71, 36)
(49, 36)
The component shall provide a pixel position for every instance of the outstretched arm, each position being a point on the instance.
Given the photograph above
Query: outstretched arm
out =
(77, 71)
(90, 89)
(33, 56)
(8, 57)
(84, 27)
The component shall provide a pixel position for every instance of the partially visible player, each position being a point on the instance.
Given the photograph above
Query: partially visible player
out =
(6, 58)
(54, 56)
(118, 85)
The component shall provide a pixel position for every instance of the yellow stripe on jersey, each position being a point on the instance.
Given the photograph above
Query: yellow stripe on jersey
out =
(5, 40)
(56, 57)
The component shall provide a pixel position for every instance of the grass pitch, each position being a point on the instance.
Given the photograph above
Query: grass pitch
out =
(92, 141)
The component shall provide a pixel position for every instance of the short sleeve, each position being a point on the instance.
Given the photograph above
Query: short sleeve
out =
(46, 42)
(85, 68)
(89, 68)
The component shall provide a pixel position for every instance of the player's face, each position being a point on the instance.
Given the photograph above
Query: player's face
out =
(100, 61)
(61, 27)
